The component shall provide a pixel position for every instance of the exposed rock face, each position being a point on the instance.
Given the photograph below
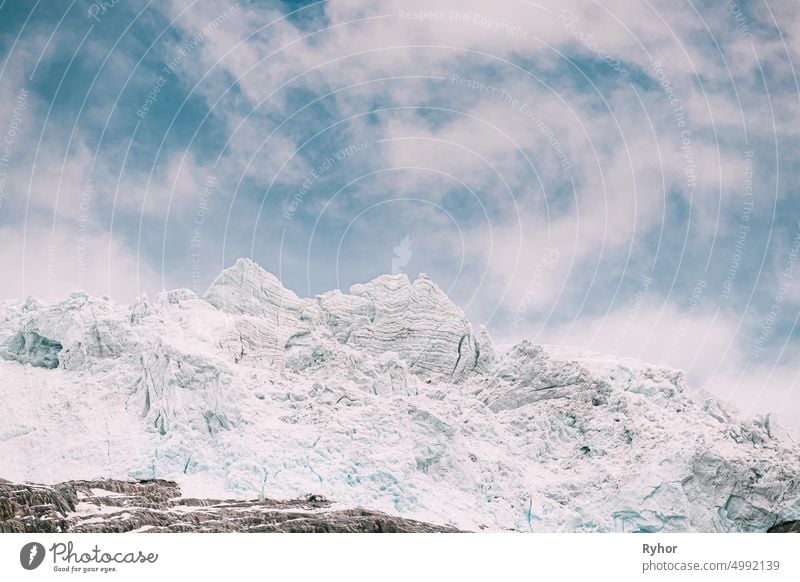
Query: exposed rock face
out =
(785, 527)
(383, 398)
(108, 506)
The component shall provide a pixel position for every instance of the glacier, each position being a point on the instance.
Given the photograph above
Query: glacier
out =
(385, 398)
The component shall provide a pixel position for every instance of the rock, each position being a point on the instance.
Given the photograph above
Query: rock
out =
(156, 506)
(785, 527)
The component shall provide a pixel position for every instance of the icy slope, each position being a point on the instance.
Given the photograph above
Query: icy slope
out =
(385, 398)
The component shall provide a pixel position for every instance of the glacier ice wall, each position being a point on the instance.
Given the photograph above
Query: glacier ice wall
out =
(386, 398)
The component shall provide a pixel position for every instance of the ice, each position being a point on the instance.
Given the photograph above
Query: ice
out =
(383, 398)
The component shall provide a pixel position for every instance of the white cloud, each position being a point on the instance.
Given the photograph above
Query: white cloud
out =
(51, 264)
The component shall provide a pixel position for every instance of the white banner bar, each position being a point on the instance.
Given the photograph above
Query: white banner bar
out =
(330, 557)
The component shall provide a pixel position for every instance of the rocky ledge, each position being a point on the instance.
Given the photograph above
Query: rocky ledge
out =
(785, 527)
(112, 506)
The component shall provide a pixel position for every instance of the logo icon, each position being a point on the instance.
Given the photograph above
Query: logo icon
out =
(32, 555)
(402, 255)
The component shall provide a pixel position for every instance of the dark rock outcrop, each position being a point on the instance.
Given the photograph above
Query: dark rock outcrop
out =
(785, 527)
(111, 506)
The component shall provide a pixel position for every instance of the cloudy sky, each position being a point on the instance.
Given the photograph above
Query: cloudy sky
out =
(617, 175)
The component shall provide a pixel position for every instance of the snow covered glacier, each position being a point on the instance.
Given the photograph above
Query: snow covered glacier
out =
(385, 398)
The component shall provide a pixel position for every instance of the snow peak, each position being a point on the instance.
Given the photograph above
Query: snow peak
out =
(64, 553)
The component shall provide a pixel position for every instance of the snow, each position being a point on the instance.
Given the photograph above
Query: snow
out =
(103, 493)
(84, 508)
(384, 398)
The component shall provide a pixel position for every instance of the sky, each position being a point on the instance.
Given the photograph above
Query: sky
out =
(613, 175)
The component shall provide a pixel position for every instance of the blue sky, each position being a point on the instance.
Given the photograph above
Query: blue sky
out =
(621, 177)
